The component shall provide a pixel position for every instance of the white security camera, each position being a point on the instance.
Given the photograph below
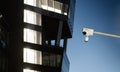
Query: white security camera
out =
(87, 32)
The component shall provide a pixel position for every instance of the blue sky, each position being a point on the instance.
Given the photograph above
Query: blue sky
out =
(100, 53)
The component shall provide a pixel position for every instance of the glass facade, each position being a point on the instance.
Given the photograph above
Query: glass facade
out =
(42, 58)
(50, 5)
(32, 36)
(50, 59)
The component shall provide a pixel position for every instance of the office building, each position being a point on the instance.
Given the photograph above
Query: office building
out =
(34, 35)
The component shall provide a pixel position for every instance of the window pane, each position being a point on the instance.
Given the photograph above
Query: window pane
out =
(38, 56)
(29, 55)
(57, 6)
(65, 9)
(32, 17)
(29, 17)
(38, 19)
(32, 36)
(52, 60)
(58, 60)
(38, 3)
(45, 59)
(53, 42)
(29, 70)
(44, 4)
(32, 56)
(61, 42)
(51, 5)
(30, 2)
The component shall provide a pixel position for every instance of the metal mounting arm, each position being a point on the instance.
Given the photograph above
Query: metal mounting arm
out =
(107, 34)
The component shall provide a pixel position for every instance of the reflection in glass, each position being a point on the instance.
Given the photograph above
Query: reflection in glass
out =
(53, 42)
(51, 59)
(61, 42)
(44, 4)
(29, 70)
(32, 17)
(32, 56)
(29, 55)
(51, 5)
(32, 36)
(29, 17)
(45, 59)
(58, 60)
(38, 3)
(30, 2)
(42, 58)
(57, 6)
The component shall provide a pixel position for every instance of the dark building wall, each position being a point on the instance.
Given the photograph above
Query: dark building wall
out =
(3, 61)
(13, 16)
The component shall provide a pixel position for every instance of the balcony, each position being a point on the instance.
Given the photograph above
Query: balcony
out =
(52, 12)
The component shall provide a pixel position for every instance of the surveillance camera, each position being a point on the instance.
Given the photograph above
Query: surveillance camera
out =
(86, 38)
(87, 32)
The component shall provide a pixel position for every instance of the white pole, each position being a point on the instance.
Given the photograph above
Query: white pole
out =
(107, 34)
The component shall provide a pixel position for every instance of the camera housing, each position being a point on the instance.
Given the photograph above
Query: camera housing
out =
(87, 32)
